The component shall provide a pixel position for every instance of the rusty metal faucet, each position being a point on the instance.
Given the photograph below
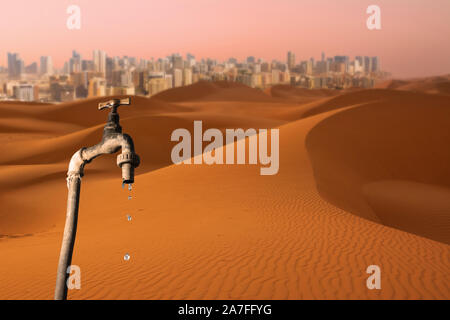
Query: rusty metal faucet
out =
(113, 140)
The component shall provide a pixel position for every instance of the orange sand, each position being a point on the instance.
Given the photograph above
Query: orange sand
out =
(364, 179)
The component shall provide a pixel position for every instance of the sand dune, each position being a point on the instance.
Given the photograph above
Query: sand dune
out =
(363, 180)
(300, 95)
(214, 91)
(438, 84)
(385, 140)
(339, 101)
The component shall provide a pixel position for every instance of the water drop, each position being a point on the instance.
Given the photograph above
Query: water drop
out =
(129, 218)
(123, 185)
(130, 197)
(126, 257)
(130, 187)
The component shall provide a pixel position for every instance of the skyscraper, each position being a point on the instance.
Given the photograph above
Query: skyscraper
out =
(309, 67)
(32, 68)
(46, 65)
(367, 65)
(342, 60)
(12, 58)
(97, 87)
(190, 56)
(177, 62)
(24, 92)
(187, 77)
(110, 66)
(361, 64)
(290, 60)
(99, 58)
(177, 78)
(375, 64)
(75, 62)
(15, 66)
(190, 60)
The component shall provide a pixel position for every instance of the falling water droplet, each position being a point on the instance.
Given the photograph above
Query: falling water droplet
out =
(123, 185)
(126, 257)
(129, 218)
(130, 187)
(130, 197)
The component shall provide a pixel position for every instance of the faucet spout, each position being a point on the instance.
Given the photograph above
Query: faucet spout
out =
(113, 140)
(128, 160)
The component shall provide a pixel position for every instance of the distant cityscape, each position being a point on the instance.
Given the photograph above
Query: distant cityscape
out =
(109, 76)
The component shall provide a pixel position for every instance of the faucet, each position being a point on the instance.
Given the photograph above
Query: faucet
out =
(113, 140)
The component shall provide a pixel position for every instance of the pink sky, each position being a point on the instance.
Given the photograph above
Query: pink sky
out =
(414, 40)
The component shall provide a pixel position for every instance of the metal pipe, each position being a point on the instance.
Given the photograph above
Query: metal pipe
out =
(112, 141)
(70, 230)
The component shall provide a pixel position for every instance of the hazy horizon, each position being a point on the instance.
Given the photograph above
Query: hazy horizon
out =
(413, 41)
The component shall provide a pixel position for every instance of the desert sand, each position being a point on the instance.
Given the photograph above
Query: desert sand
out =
(438, 84)
(364, 179)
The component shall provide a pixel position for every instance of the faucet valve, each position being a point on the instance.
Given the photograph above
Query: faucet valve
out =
(128, 161)
(114, 104)
(113, 126)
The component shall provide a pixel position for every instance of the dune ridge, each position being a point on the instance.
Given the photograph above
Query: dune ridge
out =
(434, 85)
(340, 202)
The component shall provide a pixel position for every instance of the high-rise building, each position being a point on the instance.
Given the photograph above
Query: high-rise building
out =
(177, 62)
(190, 60)
(66, 68)
(156, 83)
(81, 84)
(266, 67)
(75, 62)
(126, 78)
(309, 67)
(143, 64)
(357, 66)
(12, 58)
(15, 66)
(169, 81)
(132, 61)
(321, 67)
(187, 77)
(256, 68)
(46, 67)
(87, 65)
(121, 78)
(97, 87)
(367, 64)
(61, 92)
(24, 92)
(342, 60)
(290, 60)
(177, 78)
(110, 66)
(99, 58)
(275, 76)
(360, 60)
(375, 64)
(32, 68)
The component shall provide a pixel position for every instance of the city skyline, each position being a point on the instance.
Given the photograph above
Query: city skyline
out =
(412, 31)
(95, 53)
(103, 75)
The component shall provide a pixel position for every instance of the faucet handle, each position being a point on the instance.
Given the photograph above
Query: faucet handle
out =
(114, 104)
